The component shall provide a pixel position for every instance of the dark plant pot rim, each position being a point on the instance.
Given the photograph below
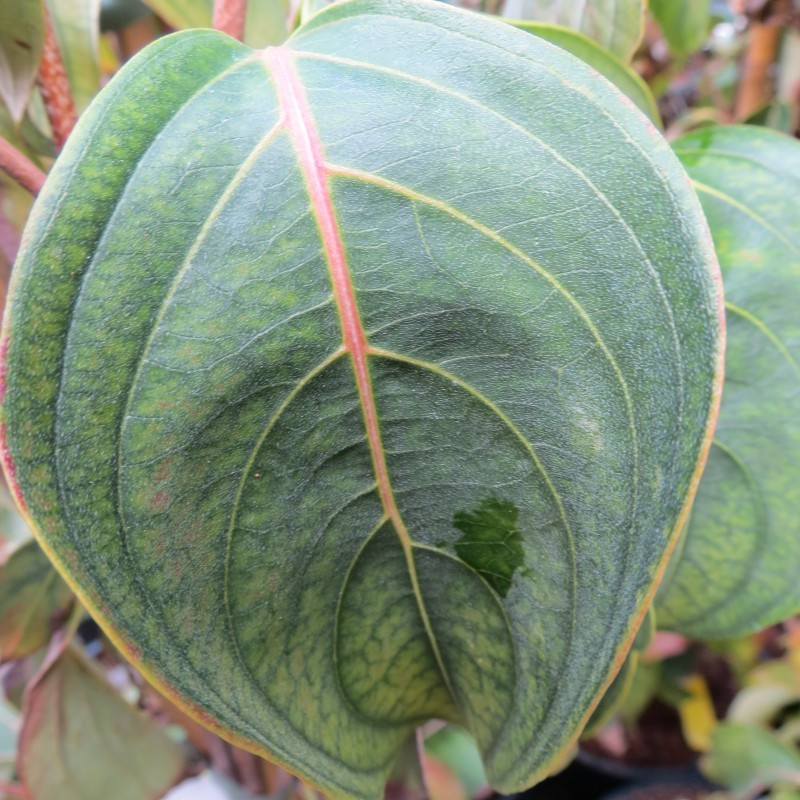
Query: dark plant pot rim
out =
(639, 774)
(629, 791)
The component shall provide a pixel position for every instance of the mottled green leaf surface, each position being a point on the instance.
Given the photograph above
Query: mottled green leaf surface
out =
(740, 565)
(80, 740)
(33, 601)
(604, 61)
(617, 25)
(298, 315)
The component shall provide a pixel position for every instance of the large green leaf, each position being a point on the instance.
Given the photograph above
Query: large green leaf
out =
(618, 25)
(740, 565)
(378, 369)
(684, 23)
(21, 44)
(605, 62)
(81, 741)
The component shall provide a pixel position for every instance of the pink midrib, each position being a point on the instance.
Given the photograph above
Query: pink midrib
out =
(299, 122)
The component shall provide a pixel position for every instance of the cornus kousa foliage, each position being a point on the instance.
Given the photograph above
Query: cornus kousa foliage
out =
(365, 380)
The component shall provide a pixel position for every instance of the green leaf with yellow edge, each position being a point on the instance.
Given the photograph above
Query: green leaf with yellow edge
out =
(617, 693)
(21, 45)
(618, 25)
(106, 748)
(604, 61)
(77, 27)
(739, 569)
(33, 601)
(309, 317)
(684, 23)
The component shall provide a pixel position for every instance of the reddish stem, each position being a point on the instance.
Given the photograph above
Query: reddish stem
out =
(20, 168)
(9, 243)
(229, 16)
(54, 84)
(14, 789)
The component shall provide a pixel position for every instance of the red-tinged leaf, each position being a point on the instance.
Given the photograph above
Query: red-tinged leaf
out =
(80, 740)
(33, 602)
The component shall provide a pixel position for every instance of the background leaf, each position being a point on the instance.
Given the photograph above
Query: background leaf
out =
(106, 748)
(617, 25)
(684, 23)
(265, 23)
(455, 751)
(605, 62)
(286, 381)
(740, 565)
(21, 44)
(77, 27)
(180, 14)
(33, 602)
(744, 758)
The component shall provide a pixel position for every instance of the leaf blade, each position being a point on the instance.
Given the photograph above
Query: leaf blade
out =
(684, 23)
(33, 599)
(617, 25)
(744, 520)
(604, 61)
(221, 587)
(72, 711)
(21, 46)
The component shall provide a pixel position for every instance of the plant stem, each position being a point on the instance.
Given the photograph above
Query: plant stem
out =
(756, 85)
(20, 167)
(73, 621)
(229, 16)
(55, 89)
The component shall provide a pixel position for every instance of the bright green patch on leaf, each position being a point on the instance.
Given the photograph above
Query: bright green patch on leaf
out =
(604, 61)
(739, 569)
(21, 44)
(105, 747)
(33, 602)
(311, 312)
(618, 25)
(492, 543)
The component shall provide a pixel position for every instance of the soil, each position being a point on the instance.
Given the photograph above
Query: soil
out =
(656, 740)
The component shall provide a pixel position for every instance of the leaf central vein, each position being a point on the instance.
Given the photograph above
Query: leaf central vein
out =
(298, 120)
